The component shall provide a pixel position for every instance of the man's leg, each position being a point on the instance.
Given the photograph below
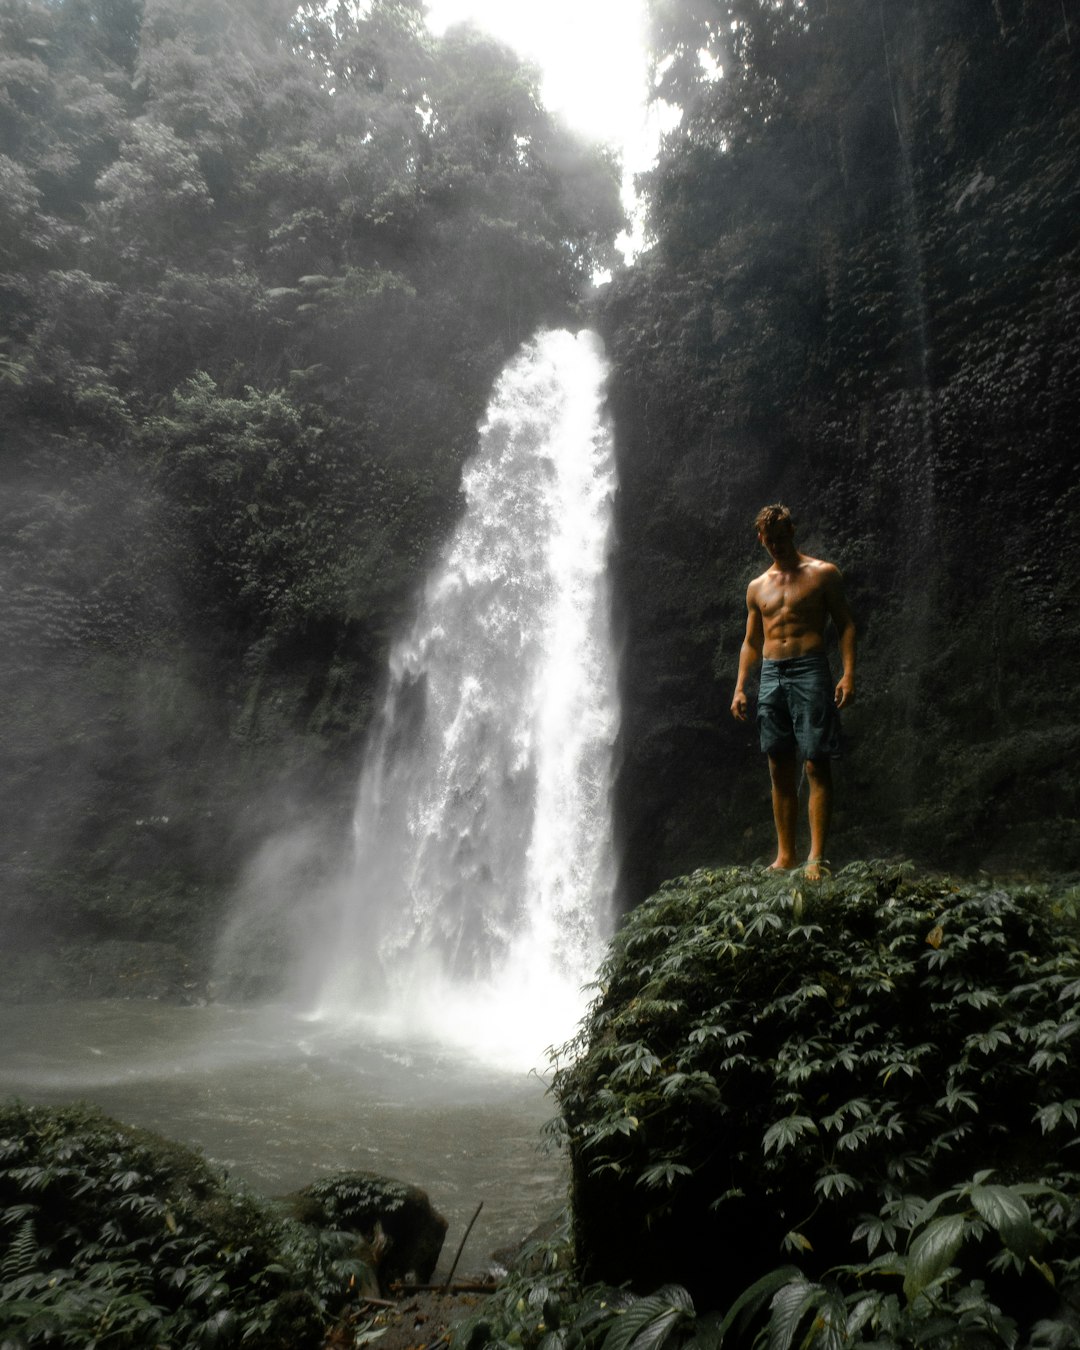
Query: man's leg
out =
(819, 776)
(785, 805)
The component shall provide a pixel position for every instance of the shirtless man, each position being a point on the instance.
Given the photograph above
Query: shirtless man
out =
(787, 610)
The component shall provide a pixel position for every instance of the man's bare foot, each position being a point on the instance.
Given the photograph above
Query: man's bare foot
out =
(779, 865)
(815, 869)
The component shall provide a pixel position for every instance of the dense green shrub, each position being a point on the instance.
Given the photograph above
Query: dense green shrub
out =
(542, 1305)
(775, 1065)
(112, 1236)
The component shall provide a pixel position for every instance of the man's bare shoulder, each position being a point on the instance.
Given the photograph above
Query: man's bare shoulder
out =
(756, 585)
(828, 572)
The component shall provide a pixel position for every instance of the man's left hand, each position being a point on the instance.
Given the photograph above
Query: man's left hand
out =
(845, 692)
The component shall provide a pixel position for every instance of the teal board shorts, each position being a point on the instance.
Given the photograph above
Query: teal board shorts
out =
(796, 707)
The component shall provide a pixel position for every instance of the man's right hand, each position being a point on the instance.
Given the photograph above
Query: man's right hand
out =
(739, 706)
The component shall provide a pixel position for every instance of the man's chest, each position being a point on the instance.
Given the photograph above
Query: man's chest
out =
(796, 593)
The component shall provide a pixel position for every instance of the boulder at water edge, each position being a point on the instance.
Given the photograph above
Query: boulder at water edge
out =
(366, 1203)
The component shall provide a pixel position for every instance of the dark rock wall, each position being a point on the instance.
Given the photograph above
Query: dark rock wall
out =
(890, 345)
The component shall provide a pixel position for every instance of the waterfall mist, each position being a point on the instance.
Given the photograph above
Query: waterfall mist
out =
(480, 891)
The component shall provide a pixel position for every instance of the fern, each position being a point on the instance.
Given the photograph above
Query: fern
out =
(22, 1253)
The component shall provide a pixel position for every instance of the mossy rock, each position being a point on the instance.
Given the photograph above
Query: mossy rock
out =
(395, 1218)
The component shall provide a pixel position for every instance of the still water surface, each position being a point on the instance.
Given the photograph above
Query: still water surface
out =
(280, 1101)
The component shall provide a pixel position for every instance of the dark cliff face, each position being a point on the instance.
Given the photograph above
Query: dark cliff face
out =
(871, 314)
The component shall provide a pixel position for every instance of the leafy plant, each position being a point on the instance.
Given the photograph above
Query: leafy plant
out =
(542, 1304)
(940, 1304)
(770, 1064)
(111, 1236)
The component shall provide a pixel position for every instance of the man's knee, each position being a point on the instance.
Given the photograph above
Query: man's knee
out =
(782, 766)
(819, 770)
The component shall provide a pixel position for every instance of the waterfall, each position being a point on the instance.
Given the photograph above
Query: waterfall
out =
(480, 894)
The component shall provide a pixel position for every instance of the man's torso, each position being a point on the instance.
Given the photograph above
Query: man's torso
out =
(794, 608)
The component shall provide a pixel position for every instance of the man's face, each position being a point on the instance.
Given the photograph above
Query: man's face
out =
(776, 540)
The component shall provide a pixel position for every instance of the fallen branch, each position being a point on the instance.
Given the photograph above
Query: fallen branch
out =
(461, 1244)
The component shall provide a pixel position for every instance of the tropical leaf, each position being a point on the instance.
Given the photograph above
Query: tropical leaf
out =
(828, 1331)
(789, 1305)
(835, 1183)
(21, 1256)
(648, 1322)
(664, 1174)
(1008, 1215)
(752, 1299)
(785, 1132)
(932, 1253)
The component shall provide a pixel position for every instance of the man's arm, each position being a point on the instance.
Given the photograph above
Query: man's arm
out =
(749, 652)
(845, 632)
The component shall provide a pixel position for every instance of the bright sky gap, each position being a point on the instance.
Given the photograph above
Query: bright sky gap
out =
(594, 70)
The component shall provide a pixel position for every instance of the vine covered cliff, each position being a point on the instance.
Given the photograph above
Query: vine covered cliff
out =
(862, 299)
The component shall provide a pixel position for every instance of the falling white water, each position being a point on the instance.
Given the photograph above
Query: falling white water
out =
(481, 893)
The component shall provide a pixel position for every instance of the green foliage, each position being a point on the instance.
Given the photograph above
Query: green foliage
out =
(826, 1047)
(112, 1236)
(796, 1063)
(357, 1196)
(155, 196)
(940, 1304)
(542, 1303)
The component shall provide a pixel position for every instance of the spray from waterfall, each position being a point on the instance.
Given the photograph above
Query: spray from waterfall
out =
(480, 895)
